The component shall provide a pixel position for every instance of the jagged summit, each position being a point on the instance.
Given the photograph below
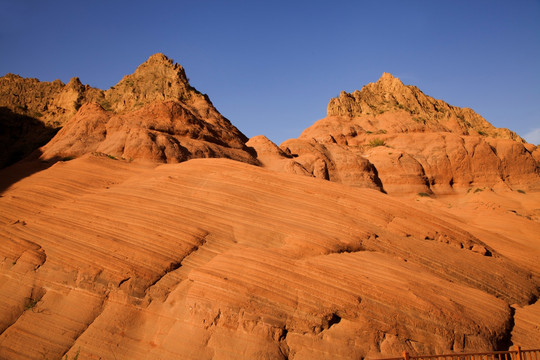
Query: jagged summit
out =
(158, 78)
(389, 81)
(393, 137)
(155, 114)
(416, 112)
(387, 77)
(152, 114)
(160, 58)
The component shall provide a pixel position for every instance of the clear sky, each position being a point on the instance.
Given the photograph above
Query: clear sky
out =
(272, 66)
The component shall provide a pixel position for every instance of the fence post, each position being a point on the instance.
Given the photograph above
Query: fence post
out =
(518, 349)
(406, 355)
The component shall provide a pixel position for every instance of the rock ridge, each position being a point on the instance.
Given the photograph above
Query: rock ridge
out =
(53, 103)
(390, 95)
(387, 136)
(158, 78)
(152, 114)
(392, 137)
(162, 131)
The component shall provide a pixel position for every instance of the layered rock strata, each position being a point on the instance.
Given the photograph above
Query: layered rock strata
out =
(213, 258)
(394, 137)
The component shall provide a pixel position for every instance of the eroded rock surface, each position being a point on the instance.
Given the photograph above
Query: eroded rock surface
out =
(394, 137)
(122, 243)
(152, 114)
(213, 258)
(160, 132)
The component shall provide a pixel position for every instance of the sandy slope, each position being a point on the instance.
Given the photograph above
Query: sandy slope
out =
(216, 259)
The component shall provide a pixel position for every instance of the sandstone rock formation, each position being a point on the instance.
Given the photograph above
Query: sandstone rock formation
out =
(160, 132)
(427, 114)
(125, 240)
(157, 79)
(31, 112)
(152, 114)
(388, 136)
(216, 259)
(272, 157)
(392, 136)
(53, 103)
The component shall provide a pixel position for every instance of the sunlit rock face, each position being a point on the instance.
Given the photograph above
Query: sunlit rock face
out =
(393, 137)
(150, 227)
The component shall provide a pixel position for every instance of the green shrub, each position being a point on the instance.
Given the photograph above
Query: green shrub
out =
(106, 105)
(30, 303)
(75, 357)
(521, 191)
(377, 142)
(423, 194)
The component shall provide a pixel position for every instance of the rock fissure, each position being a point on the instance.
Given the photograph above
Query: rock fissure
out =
(175, 265)
(283, 345)
(98, 312)
(123, 281)
(504, 340)
(31, 303)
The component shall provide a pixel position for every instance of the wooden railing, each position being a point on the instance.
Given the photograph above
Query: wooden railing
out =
(516, 354)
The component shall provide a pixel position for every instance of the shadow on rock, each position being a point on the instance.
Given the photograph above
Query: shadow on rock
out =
(24, 168)
(20, 135)
(20, 138)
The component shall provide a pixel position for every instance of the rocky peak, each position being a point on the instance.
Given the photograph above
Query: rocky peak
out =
(75, 83)
(159, 58)
(390, 99)
(152, 114)
(387, 77)
(159, 65)
(158, 78)
(41, 100)
(389, 83)
(166, 118)
(371, 100)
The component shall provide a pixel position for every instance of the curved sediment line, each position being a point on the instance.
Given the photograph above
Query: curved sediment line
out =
(286, 252)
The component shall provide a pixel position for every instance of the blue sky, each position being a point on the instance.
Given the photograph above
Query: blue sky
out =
(272, 66)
